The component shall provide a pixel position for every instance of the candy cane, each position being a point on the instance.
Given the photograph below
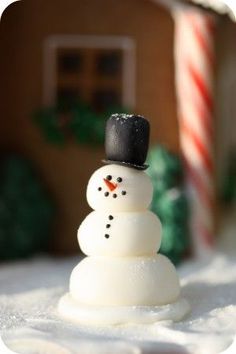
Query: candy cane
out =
(194, 60)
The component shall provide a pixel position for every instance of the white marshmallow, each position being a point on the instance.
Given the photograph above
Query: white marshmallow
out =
(136, 185)
(128, 234)
(134, 281)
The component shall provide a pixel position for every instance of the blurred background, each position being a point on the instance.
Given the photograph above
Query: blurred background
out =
(64, 67)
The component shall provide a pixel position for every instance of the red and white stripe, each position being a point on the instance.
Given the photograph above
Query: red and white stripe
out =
(194, 61)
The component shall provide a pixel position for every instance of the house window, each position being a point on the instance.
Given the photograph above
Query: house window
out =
(99, 71)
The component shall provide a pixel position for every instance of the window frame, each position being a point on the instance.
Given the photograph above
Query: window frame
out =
(125, 44)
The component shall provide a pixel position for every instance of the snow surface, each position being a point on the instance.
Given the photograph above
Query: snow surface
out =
(30, 324)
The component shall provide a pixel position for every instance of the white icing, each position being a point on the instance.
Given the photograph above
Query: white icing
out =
(118, 116)
(115, 281)
(117, 315)
(130, 234)
(135, 183)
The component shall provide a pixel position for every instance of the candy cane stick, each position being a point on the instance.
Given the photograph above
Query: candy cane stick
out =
(194, 60)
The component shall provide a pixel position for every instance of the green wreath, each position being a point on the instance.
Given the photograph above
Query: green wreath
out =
(79, 121)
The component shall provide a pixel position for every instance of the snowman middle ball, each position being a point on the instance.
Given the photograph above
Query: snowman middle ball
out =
(128, 234)
(115, 188)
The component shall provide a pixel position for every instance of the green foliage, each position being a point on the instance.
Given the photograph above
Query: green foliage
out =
(26, 210)
(76, 120)
(169, 201)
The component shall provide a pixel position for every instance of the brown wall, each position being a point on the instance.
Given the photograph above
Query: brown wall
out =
(24, 27)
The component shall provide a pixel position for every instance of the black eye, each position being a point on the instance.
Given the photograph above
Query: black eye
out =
(119, 179)
(109, 177)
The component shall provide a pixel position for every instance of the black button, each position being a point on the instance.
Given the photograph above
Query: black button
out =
(107, 236)
(110, 217)
(108, 225)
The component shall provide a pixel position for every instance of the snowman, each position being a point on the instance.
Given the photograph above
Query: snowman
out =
(122, 279)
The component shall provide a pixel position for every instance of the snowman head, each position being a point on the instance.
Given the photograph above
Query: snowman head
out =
(119, 188)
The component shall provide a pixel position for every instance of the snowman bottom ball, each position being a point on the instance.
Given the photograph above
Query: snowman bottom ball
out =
(121, 290)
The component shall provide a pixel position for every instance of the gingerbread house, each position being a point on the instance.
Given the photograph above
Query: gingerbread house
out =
(128, 53)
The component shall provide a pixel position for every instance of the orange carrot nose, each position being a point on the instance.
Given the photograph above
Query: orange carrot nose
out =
(112, 186)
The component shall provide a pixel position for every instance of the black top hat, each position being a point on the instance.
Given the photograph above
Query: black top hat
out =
(127, 140)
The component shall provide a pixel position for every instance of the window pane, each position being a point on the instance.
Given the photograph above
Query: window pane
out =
(67, 97)
(109, 63)
(103, 99)
(69, 62)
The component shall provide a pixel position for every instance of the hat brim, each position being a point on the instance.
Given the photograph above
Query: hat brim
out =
(127, 164)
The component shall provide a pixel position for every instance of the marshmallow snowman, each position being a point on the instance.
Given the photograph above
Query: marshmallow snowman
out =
(121, 237)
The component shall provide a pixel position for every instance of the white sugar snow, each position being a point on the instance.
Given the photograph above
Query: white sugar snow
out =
(31, 290)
